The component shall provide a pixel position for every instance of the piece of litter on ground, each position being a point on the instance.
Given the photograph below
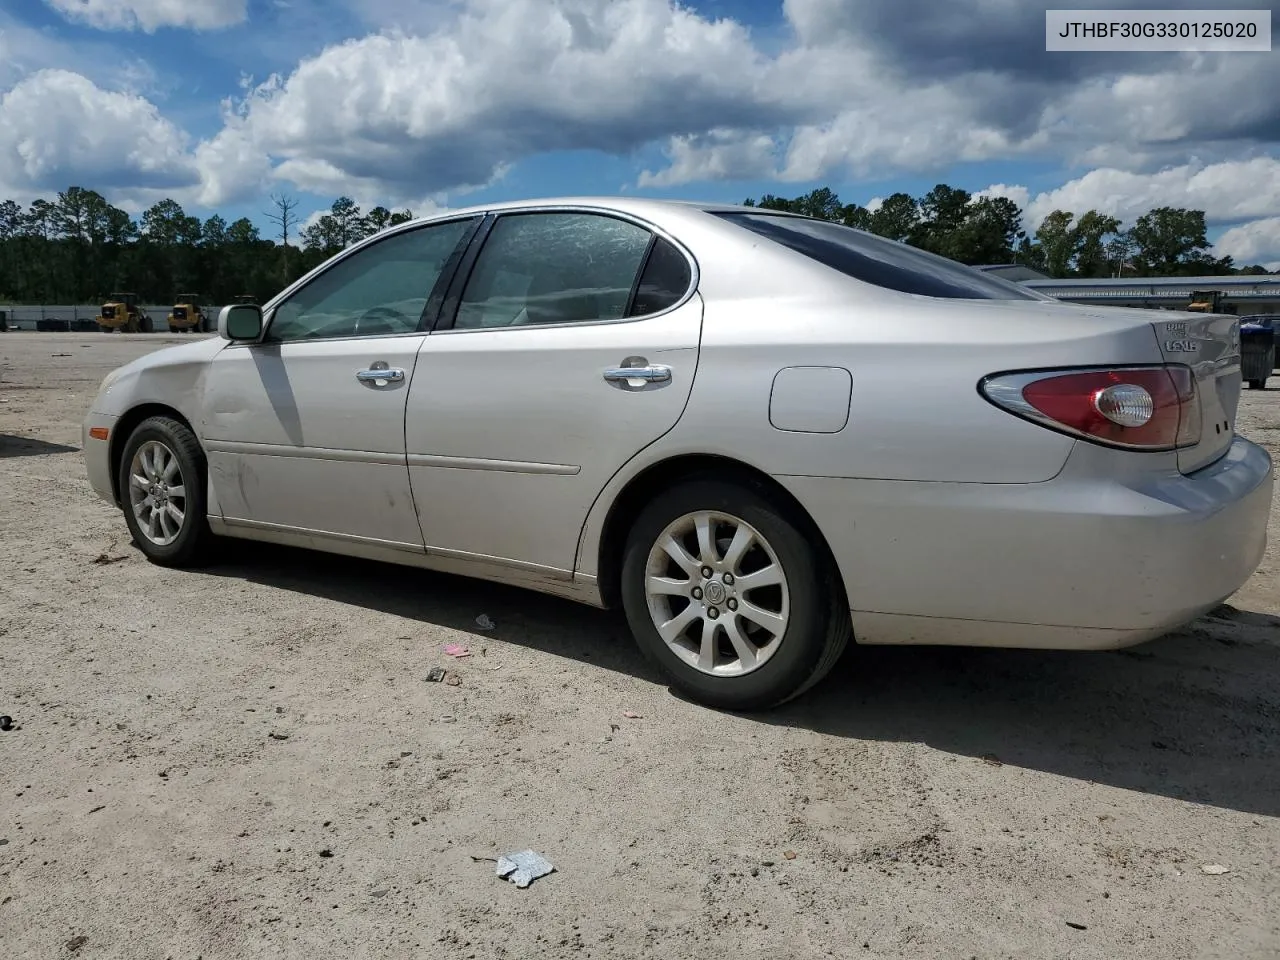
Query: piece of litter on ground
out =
(436, 675)
(613, 727)
(992, 760)
(523, 868)
(790, 854)
(484, 623)
(630, 715)
(102, 559)
(456, 650)
(278, 735)
(6, 723)
(1215, 869)
(1076, 926)
(454, 680)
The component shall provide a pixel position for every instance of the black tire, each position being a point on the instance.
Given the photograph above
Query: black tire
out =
(819, 625)
(144, 325)
(105, 329)
(194, 544)
(1257, 384)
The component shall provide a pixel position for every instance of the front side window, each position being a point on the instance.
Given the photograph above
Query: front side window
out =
(882, 262)
(542, 268)
(380, 290)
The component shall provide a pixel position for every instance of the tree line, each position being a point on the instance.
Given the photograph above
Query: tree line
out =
(78, 248)
(1165, 242)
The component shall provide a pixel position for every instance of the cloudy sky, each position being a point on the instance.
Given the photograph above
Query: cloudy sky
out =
(218, 103)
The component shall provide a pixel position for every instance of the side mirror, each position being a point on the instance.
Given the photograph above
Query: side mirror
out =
(240, 321)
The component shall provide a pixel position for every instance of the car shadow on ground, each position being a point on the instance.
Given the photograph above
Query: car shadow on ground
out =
(1193, 716)
(11, 446)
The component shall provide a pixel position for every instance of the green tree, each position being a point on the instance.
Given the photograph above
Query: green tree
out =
(942, 212)
(989, 233)
(821, 204)
(1057, 242)
(1119, 253)
(896, 218)
(377, 220)
(1171, 241)
(1091, 233)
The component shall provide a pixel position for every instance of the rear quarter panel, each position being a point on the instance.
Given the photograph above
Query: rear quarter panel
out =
(915, 410)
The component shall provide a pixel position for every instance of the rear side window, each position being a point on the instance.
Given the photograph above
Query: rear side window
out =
(875, 260)
(542, 268)
(664, 282)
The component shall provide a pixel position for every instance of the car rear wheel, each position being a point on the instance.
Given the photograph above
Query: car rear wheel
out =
(728, 598)
(162, 487)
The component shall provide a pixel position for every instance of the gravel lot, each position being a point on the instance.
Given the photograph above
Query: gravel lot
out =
(246, 761)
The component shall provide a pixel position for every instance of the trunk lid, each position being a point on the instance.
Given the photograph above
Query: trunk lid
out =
(1209, 343)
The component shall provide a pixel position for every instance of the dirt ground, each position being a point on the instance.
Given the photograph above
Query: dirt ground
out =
(246, 761)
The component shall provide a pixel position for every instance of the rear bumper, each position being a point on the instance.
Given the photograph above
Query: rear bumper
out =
(1084, 561)
(97, 454)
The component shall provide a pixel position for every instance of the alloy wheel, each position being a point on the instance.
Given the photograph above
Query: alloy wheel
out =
(157, 494)
(717, 593)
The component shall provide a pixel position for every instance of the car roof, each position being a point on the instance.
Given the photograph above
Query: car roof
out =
(638, 206)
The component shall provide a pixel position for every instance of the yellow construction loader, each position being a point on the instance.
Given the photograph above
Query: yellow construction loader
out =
(122, 312)
(1205, 301)
(186, 315)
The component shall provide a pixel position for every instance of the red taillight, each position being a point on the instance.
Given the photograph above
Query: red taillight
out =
(1147, 408)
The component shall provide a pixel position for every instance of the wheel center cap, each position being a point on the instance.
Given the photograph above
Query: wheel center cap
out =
(714, 591)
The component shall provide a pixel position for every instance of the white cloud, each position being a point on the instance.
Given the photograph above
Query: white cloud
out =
(1228, 192)
(58, 129)
(502, 81)
(151, 15)
(715, 155)
(873, 90)
(1257, 242)
(25, 50)
(1019, 195)
(232, 167)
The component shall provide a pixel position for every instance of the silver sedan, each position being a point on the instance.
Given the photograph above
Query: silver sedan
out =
(759, 434)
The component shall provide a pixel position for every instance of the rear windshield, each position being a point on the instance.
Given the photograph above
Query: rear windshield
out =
(876, 260)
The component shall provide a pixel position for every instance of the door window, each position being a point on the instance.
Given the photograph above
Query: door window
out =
(380, 290)
(665, 279)
(540, 268)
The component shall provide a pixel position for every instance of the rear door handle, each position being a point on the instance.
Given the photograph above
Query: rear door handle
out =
(653, 373)
(376, 376)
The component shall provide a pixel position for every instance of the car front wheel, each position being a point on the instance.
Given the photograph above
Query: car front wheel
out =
(162, 486)
(728, 598)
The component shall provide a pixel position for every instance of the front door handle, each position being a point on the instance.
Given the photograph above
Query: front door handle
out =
(380, 376)
(650, 373)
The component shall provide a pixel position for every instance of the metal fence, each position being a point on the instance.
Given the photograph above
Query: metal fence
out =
(80, 317)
